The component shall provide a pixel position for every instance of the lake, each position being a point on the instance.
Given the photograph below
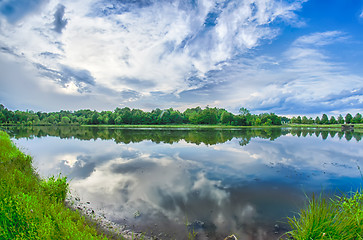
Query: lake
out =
(166, 182)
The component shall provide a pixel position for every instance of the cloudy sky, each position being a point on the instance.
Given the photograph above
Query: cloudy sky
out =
(283, 56)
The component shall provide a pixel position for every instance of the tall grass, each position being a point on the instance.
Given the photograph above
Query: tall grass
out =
(338, 218)
(31, 208)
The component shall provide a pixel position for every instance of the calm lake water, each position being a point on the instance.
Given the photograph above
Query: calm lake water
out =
(217, 182)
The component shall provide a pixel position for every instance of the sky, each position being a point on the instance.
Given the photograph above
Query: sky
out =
(283, 56)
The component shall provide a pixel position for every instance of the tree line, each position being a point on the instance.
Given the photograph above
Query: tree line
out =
(197, 115)
(124, 116)
(348, 119)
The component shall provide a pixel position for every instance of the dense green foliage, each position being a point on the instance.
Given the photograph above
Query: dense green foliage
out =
(136, 116)
(325, 120)
(31, 208)
(208, 136)
(339, 218)
(127, 116)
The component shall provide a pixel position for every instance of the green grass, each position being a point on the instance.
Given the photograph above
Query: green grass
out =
(31, 208)
(338, 218)
(188, 126)
(316, 125)
(324, 125)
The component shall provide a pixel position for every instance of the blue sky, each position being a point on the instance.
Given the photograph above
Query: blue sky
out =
(282, 56)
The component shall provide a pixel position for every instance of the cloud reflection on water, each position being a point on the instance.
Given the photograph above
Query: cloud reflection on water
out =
(228, 187)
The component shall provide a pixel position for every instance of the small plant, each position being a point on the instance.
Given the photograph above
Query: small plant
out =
(192, 235)
(55, 188)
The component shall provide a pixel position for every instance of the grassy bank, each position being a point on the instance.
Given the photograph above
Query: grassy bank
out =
(183, 126)
(219, 126)
(31, 208)
(356, 126)
(338, 218)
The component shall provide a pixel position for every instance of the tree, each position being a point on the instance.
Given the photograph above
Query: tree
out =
(258, 122)
(2, 117)
(275, 120)
(324, 119)
(111, 119)
(244, 111)
(119, 120)
(247, 115)
(94, 118)
(226, 118)
(340, 119)
(296, 120)
(51, 119)
(285, 120)
(333, 120)
(268, 122)
(357, 118)
(208, 116)
(65, 120)
(176, 117)
(293, 120)
(317, 120)
(304, 120)
(348, 118)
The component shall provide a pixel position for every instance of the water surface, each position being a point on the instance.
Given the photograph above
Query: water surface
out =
(217, 182)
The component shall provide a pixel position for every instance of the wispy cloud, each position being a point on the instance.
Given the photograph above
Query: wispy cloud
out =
(314, 81)
(320, 38)
(59, 21)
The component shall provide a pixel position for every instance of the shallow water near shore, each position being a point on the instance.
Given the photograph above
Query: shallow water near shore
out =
(166, 182)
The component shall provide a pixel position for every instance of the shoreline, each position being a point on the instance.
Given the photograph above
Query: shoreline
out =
(195, 126)
(107, 227)
(35, 208)
(54, 211)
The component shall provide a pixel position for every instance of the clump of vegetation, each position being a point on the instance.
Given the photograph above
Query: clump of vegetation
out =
(31, 208)
(338, 218)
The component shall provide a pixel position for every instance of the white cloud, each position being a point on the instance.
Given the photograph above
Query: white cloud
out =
(321, 38)
(307, 79)
(175, 54)
(159, 45)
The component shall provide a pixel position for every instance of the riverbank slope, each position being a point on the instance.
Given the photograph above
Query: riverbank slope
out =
(33, 208)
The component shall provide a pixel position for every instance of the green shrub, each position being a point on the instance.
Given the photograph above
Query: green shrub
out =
(55, 188)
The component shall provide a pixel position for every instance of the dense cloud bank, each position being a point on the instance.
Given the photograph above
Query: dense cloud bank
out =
(147, 54)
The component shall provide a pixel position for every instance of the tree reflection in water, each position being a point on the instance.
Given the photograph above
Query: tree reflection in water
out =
(242, 181)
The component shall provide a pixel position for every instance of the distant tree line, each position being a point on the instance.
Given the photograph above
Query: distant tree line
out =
(127, 116)
(121, 116)
(348, 119)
